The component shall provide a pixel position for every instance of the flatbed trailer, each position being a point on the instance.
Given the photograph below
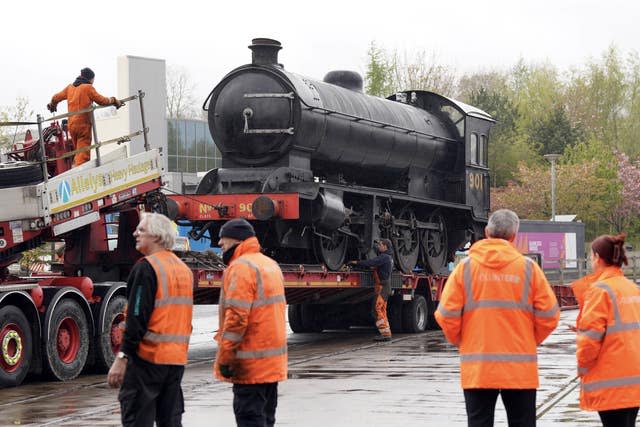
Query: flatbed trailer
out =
(60, 323)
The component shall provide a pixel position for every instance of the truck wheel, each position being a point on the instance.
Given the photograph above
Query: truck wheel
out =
(110, 336)
(294, 313)
(67, 345)
(415, 315)
(311, 317)
(15, 346)
(15, 174)
(394, 313)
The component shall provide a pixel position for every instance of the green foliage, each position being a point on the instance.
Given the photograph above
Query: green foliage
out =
(553, 133)
(389, 72)
(379, 76)
(585, 189)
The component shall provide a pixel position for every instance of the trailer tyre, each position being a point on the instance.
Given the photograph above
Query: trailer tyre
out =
(15, 346)
(110, 336)
(394, 313)
(415, 315)
(311, 315)
(66, 341)
(295, 318)
(15, 174)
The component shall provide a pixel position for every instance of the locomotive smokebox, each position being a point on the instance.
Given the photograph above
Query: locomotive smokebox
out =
(264, 51)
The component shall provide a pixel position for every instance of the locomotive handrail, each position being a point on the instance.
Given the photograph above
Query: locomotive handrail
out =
(377, 122)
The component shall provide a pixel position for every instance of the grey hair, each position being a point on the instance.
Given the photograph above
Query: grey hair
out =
(503, 224)
(161, 227)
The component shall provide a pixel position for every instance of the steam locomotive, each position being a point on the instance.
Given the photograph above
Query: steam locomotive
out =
(411, 168)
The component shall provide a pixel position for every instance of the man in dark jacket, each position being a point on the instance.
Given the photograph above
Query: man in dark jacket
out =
(382, 265)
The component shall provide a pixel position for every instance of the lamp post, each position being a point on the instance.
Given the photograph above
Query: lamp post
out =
(552, 158)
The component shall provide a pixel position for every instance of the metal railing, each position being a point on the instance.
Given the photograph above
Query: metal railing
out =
(569, 270)
(97, 144)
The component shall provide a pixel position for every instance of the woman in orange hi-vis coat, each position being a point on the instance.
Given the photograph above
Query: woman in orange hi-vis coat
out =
(497, 307)
(79, 95)
(608, 339)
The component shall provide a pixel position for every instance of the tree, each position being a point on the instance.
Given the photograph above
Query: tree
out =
(584, 189)
(181, 103)
(553, 132)
(20, 112)
(388, 73)
(627, 208)
(604, 98)
(379, 75)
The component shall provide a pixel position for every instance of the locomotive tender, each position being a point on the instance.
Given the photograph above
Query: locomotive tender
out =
(411, 168)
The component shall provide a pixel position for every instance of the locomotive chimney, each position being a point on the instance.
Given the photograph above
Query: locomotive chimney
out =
(265, 51)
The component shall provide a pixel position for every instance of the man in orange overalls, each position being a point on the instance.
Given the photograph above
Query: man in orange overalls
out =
(382, 264)
(79, 95)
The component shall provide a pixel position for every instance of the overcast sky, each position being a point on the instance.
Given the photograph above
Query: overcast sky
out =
(45, 44)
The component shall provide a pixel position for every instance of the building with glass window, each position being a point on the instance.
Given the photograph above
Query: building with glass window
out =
(190, 147)
(187, 148)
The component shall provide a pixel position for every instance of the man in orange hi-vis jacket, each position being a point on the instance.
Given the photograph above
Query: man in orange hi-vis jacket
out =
(252, 338)
(79, 95)
(497, 307)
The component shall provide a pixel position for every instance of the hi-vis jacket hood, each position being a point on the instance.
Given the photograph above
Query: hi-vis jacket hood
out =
(494, 253)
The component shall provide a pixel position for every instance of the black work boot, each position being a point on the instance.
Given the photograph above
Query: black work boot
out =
(382, 338)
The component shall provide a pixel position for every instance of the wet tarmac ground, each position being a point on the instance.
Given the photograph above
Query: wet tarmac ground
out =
(335, 379)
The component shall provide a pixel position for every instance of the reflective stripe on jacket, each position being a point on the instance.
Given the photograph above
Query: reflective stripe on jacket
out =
(497, 306)
(608, 344)
(252, 338)
(166, 341)
(79, 98)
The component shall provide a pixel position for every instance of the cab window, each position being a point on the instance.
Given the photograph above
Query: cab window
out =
(473, 152)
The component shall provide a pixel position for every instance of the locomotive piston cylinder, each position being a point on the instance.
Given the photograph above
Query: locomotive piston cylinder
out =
(329, 211)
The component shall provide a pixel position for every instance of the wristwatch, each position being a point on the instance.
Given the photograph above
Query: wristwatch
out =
(121, 355)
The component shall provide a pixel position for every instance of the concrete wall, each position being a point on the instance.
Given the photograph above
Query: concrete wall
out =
(149, 75)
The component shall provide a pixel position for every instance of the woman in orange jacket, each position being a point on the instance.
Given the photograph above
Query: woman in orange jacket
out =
(608, 336)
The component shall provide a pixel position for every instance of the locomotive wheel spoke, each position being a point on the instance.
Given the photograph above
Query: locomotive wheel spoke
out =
(331, 250)
(434, 244)
(406, 241)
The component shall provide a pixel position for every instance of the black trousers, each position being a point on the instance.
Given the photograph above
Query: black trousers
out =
(619, 417)
(151, 393)
(519, 404)
(254, 405)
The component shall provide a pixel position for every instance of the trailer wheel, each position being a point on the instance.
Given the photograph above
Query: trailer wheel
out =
(67, 341)
(294, 313)
(415, 315)
(15, 174)
(394, 313)
(16, 346)
(311, 317)
(110, 336)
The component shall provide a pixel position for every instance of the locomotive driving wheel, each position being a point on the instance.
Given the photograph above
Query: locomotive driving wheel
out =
(331, 249)
(434, 243)
(406, 240)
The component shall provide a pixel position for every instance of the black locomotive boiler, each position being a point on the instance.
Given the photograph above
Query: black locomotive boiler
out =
(411, 168)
